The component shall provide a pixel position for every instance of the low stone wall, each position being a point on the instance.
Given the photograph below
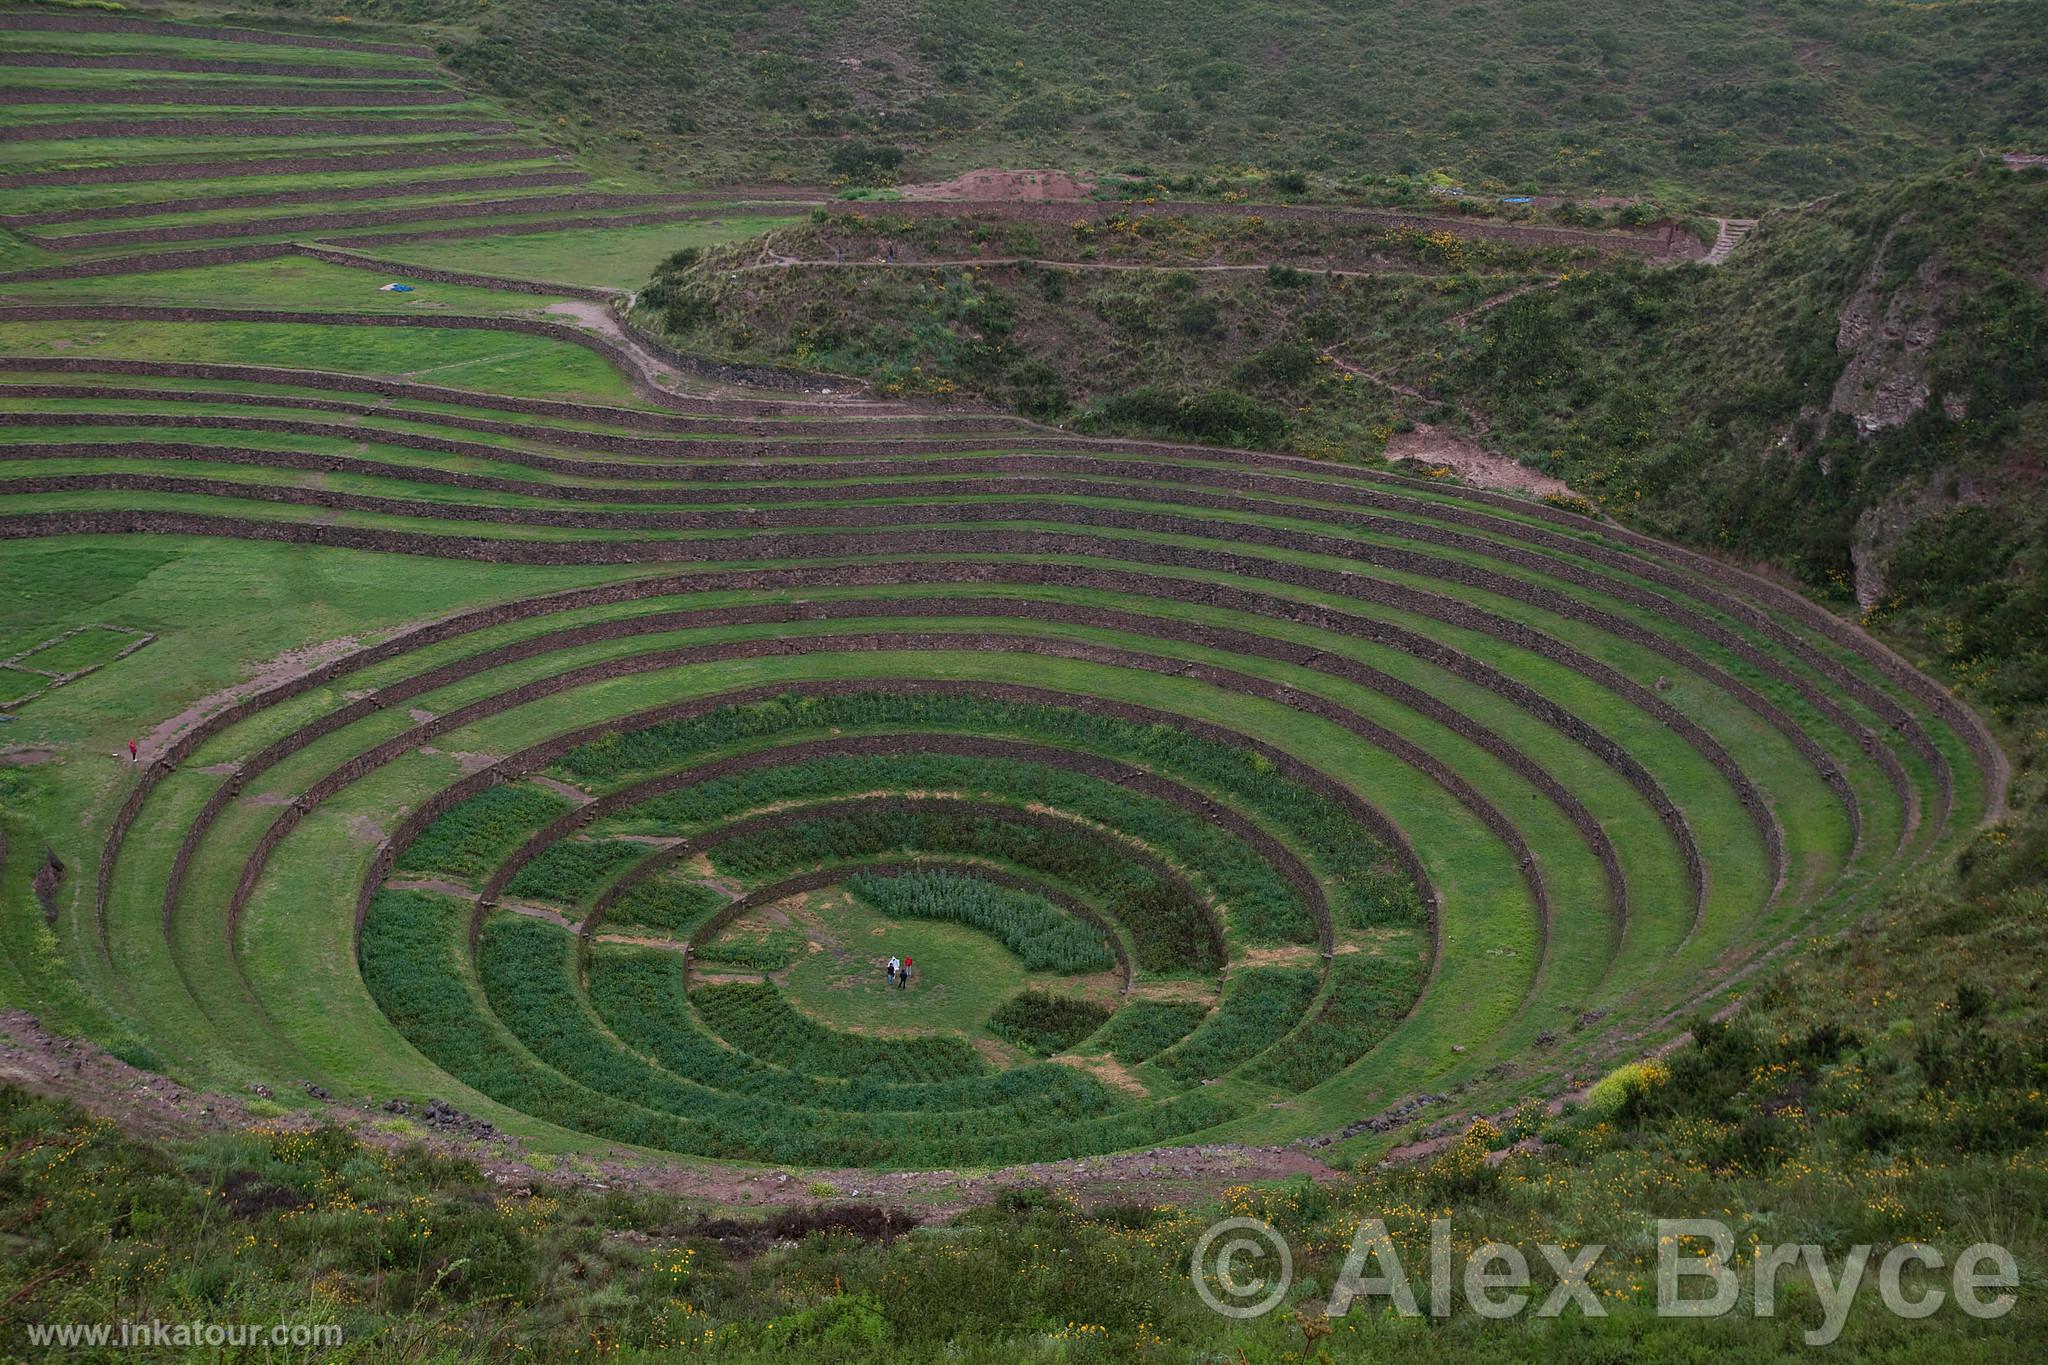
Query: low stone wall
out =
(329, 222)
(228, 95)
(269, 198)
(244, 127)
(44, 22)
(452, 154)
(1659, 240)
(688, 412)
(141, 61)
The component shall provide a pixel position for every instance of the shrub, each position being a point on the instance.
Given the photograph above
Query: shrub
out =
(1286, 363)
(769, 953)
(1215, 416)
(1366, 997)
(864, 159)
(679, 261)
(1618, 1095)
(570, 871)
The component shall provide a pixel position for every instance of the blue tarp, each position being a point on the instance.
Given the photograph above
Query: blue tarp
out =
(1517, 199)
(396, 289)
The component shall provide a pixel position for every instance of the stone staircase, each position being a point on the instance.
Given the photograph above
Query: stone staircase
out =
(1733, 230)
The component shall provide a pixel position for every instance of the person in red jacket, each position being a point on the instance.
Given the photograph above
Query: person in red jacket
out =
(131, 751)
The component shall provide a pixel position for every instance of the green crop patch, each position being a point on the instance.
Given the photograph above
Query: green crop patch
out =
(1042, 1023)
(1028, 925)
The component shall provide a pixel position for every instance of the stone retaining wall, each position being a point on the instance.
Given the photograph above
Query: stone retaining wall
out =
(102, 23)
(134, 172)
(243, 127)
(268, 198)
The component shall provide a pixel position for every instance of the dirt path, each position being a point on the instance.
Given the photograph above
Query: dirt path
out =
(284, 668)
(777, 261)
(674, 945)
(1470, 461)
(562, 789)
(599, 318)
(1459, 321)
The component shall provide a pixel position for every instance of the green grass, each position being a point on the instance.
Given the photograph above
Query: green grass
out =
(290, 282)
(620, 257)
(400, 195)
(46, 153)
(89, 648)
(1499, 983)
(961, 976)
(15, 684)
(86, 198)
(489, 362)
(217, 48)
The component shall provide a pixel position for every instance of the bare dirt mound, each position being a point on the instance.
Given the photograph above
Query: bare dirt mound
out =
(1005, 185)
(1469, 460)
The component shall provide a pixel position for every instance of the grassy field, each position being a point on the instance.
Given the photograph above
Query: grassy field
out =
(621, 258)
(962, 975)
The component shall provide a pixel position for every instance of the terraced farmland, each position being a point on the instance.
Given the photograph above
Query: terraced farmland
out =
(118, 135)
(535, 726)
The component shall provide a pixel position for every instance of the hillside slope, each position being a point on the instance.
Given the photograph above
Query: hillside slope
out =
(1762, 101)
(1860, 396)
(1856, 397)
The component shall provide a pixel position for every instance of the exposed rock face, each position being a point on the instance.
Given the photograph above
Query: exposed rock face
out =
(1887, 339)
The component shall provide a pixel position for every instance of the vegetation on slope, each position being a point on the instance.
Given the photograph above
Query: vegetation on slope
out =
(1171, 345)
(1855, 395)
(1765, 100)
(1859, 395)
